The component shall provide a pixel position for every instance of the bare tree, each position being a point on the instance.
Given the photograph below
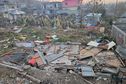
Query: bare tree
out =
(96, 6)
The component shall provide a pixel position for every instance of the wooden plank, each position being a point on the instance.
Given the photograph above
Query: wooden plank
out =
(30, 77)
(12, 67)
(21, 72)
(89, 53)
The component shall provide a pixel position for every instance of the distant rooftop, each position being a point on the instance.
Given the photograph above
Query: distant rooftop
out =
(16, 12)
(94, 14)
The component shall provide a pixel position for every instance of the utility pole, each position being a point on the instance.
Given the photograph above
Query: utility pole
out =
(81, 18)
(54, 19)
(116, 7)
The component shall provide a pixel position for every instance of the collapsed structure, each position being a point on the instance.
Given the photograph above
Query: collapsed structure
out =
(92, 63)
(49, 61)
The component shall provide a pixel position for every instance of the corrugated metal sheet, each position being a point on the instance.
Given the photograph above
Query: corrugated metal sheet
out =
(25, 44)
(53, 57)
(87, 71)
(121, 50)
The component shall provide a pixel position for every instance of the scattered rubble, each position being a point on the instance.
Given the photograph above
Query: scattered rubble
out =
(50, 61)
(64, 62)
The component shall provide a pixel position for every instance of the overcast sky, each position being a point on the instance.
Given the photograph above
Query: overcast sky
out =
(85, 1)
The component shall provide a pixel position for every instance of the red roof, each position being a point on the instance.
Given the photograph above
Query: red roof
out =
(71, 3)
(36, 59)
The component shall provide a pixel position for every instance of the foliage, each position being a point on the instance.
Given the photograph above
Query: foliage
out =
(46, 21)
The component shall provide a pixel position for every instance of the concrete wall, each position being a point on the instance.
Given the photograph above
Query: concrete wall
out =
(118, 35)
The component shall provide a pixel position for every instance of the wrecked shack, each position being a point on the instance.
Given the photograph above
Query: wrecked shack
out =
(92, 63)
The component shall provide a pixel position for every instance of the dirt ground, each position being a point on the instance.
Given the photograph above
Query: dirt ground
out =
(9, 76)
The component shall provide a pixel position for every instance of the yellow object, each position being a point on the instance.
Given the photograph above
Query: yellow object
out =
(22, 37)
